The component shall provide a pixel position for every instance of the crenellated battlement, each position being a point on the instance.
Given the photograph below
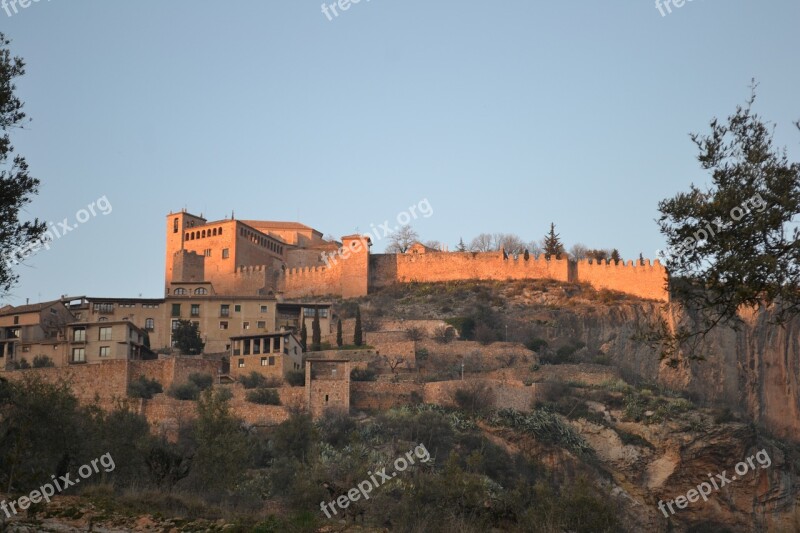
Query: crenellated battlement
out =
(588, 263)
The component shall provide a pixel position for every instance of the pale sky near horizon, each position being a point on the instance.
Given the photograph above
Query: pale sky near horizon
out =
(504, 118)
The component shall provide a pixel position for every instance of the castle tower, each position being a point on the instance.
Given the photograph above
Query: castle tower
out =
(355, 265)
(178, 224)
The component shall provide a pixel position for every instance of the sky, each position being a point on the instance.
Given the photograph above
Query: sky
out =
(503, 116)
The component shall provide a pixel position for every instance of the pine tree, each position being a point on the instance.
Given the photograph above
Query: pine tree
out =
(316, 332)
(18, 239)
(461, 246)
(552, 244)
(303, 335)
(358, 335)
(339, 341)
(615, 256)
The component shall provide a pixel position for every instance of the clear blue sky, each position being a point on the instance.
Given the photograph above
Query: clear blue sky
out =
(504, 115)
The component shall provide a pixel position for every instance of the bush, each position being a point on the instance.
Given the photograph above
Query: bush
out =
(535, 344)
(22, 364)
(263, 397)
(184, 391)
(474, 398)
(415, 333)
(259, 381)
(484, 334)
(296, 378)
(465, 326)
(444, 334)
(362, 374)
(201, 381)
(144, 388)
(42, 361)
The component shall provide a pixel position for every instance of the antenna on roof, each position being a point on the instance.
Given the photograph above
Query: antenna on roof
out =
(232, 217)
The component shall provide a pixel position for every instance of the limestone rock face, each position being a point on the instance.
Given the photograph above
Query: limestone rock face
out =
(754, 370)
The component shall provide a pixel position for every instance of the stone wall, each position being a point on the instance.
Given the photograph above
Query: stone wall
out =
(646, 281)
(387, 269)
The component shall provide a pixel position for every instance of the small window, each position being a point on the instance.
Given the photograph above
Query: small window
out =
(262, 324)
(195, 309)
(223, 324)
(224, 310)
(201, 291)
(263, 308)
(176, 309)
(16, 320)
(79, 355)
(226, 253)
(241, 363)
(26, 348)
(105, 333)
(79, 335)
(263, 361)
(237, 308)
(105, 351)
(180, 291)
(246, 325)
(271, 360)
(176, 324)
(207, 252)
(175, 226)
(149, 324)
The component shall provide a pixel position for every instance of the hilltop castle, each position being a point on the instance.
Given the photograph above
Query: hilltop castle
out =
(252, 257)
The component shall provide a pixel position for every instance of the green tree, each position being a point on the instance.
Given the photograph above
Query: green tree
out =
(223, 449)
(339, 340)
(615, 257)
(18, 239)
(461, 246)
(552, 244)
(358, 335)
(187, 338)
(304, 335)
(732, 245)
(316, 332)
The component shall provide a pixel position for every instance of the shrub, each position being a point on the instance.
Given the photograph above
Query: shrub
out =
(144, 388)
(296, 378)
(474, 398)
(42, 361)
(444, 334)
(201, 381)
(362, 374)
(184, 391)
(415, 333)
(535, 344)
(465, 326)
(263, 397)
(259, 381)
(484, 334)
(22, 364)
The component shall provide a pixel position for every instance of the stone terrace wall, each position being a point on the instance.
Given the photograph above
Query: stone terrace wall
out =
(106, 380)
(375, 395)
(387, 269)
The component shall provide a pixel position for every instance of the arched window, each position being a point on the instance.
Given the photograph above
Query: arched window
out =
(187, 236)
(180, 291)
(149, 324)
(102, 319)
(201, 290)
(220, 231)
(203, 234)
(214, 232)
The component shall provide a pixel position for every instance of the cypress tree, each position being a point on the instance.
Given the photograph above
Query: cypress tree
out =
(358, 335)
(339, 341)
